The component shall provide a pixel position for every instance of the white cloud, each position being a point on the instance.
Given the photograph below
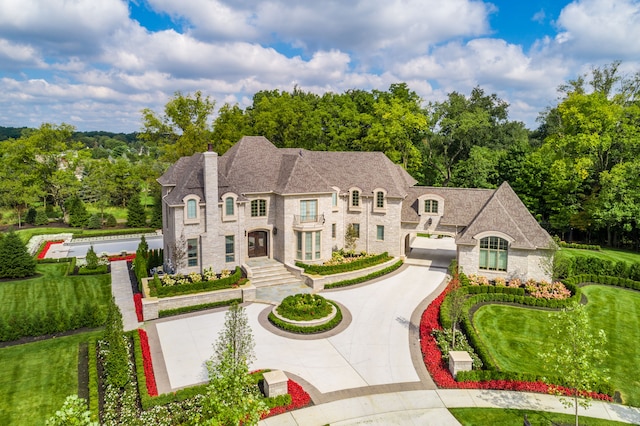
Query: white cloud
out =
(601, 29)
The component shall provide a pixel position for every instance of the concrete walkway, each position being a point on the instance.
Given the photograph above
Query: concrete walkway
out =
(123, 295)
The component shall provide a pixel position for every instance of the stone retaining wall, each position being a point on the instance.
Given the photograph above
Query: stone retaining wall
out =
(151, 306)
(36, 241)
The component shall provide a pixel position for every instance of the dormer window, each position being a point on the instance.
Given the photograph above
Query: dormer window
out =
(355, 199)
(191, 209)
(229, 206)
(431, 206)
(229, 211)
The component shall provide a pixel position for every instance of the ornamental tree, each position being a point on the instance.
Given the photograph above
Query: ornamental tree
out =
(232, 397)
(577, 356)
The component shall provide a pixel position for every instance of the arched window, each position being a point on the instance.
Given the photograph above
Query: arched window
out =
(228, 206)
(493, 253)
(192, 209)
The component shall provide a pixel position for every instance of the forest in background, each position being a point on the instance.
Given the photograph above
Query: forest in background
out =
(578, 172)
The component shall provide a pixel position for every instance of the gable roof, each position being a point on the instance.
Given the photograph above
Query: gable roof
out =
(504, 212)
(187, 178)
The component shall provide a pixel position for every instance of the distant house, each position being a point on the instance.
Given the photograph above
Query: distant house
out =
(290, 205)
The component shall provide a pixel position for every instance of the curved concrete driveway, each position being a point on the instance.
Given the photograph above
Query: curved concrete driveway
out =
(373, 350)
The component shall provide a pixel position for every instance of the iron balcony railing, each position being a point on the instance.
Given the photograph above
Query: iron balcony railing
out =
(309, 219)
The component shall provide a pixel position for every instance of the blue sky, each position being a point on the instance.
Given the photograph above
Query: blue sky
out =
(97, 64)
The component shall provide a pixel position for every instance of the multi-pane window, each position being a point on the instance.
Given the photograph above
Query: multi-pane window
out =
(355, 198)
(229, 248)
(192, 252)
(380, 200)
(309, 210)
(308, 245)
(228, 206)
(380, 232)
(493, 253)
(192, 209)
(430, 206)
(258, 208)
(333, 230)
(356, 229)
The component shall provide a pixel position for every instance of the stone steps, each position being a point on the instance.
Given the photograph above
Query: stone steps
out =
(271, 274)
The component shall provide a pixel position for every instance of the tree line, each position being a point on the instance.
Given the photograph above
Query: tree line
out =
(577, 172)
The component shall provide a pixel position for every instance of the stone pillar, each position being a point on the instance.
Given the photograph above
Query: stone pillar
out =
(459, 361)
(275, 383)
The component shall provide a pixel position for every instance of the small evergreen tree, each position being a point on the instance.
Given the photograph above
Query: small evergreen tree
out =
(156, 211)
(41, 218)
(92, 259)
(136, 216)
(110, 221)
(15, 260)
(30, 218)
(95, 222)
(78, 215)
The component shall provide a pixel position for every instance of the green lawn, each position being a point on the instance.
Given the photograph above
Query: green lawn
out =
(53, 291)
(509, 417)
(35, 378)
(516, 335)
(607, 254)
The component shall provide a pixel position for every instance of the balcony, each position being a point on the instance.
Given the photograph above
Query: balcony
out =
(308, 222)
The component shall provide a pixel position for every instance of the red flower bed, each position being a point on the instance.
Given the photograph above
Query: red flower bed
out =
(46, 248)
(442, 376)
(137, 301)
(299, 398)
(128, 258)
(146, 361)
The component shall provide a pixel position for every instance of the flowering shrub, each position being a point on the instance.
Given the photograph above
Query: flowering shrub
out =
(148, 366)
(137, 301)
(225, 273)
(209, 274)
(299, 398)
(546, 290)
(432, 357)
(195, 277)
(533, 288)
(46, 247)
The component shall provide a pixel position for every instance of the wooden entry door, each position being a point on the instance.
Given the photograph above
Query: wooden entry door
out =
(257, 243)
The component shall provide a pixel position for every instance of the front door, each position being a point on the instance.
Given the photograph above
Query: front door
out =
(257, 243)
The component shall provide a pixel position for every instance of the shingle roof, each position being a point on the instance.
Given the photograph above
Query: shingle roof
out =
(481, 210)
(505, 212)
(187, 178)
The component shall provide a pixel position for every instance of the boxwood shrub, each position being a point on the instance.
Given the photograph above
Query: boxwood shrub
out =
(344, 267)
(101, 269)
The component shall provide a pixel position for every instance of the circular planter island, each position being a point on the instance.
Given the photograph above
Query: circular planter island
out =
(306, 314)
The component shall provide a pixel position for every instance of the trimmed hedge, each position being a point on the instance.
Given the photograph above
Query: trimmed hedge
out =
(345, 283)
(580, 246)
(78, 234)
(203, 306)
(101, 269)
(94, 399)
(59, 260)
(604, 279)
(344, 267)
(158, 290)
(308, 330)
(565, 267)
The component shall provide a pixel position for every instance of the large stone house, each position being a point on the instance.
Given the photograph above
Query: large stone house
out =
(291, 204)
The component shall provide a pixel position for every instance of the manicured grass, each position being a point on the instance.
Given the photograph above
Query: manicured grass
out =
(53, 291)
(515, 336)
(607, 254)
(509, 417)
(35, 378)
